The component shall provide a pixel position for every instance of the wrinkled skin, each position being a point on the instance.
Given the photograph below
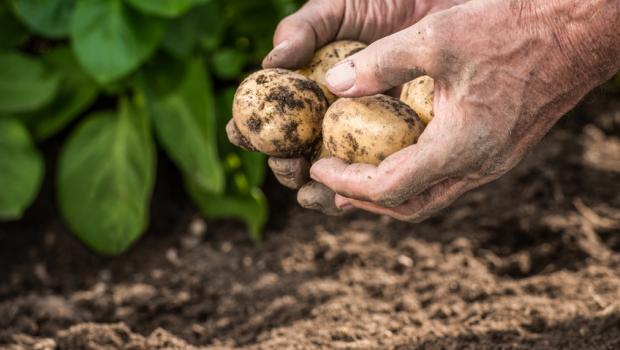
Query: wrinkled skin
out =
(506, 71)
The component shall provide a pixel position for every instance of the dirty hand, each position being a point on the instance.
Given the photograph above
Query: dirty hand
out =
(318, 23)
(505, 72)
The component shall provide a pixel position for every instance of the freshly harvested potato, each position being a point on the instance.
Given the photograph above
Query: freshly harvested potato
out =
(327, 57)
(369, 129)
(418, 94)
(279, 112)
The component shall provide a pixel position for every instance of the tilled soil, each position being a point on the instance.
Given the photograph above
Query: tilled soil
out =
(531, 261)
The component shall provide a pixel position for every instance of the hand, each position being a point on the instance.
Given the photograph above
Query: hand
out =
(316, 24)
(505, 72)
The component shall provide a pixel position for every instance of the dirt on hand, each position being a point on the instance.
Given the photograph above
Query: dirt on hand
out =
(531, 261)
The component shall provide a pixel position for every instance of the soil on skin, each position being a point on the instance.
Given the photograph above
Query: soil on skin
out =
(531, 261)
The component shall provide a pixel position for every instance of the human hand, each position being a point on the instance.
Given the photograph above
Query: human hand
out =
(505, 72)
(301, 34)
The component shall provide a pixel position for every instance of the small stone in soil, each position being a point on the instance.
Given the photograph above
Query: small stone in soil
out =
(198, 227)
(172, 256)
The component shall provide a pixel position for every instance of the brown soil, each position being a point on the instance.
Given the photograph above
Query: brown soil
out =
(529, 262)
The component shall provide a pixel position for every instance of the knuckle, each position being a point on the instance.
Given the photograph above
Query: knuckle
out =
(387, 199)
(377, 196)
(390, 193)
(438, 48)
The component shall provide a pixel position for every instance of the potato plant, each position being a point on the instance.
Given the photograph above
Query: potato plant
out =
(120, 80)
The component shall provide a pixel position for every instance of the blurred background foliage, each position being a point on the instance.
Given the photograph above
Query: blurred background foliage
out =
(123, 79)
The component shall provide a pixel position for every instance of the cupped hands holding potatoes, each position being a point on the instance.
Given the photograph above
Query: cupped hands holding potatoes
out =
(505, 72)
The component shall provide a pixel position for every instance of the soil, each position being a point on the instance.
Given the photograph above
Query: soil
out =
(531, 261)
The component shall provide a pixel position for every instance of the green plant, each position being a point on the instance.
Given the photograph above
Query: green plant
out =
(123, 77)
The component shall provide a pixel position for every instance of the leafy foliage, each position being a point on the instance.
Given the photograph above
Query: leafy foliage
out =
(25, 83)
(120, 77)
(105, 177)
(49, 18)
(21, 169)
(110, 39)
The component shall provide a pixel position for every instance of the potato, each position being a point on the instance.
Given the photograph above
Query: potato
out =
(418, 94)
(279, 112)
(327, 57)
(369, 129)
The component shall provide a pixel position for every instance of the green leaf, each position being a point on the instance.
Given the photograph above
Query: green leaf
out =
(21, 169)
(254, 166)
(229, 63)
(224, 114)
(252, 163)
(165, 8)
(12, 32)
(77, 92)
(186, 125)
(25, 84)
(251, 208)
(184, 33)
(285, 7)
(105, 178)
(111, 40)
(49, 18)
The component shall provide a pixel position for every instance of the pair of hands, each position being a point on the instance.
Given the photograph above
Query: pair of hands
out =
(505, 72)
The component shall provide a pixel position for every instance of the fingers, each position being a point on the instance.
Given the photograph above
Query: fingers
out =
(301, 34)
(444, 150)
(235, 137)
(421, 207)
(291, 173)
(388, 62)
(315, 196)
(398, 178)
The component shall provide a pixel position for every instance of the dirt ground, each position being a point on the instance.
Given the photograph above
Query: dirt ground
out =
(529, 262)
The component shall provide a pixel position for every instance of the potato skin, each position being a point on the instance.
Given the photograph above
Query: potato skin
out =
(326, 58)
(369, 129)
(419, 95)
(279, 112)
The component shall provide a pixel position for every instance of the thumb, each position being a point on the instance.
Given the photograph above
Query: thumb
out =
(299, 35)
(387, 63)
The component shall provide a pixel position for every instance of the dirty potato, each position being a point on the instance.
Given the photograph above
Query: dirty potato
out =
(369, 129)
(327, 57)
(418, 94)
(279, 112)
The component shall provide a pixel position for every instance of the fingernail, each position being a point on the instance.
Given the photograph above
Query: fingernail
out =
(341, 77)
(346, 207)
(279, 48)
(343, 204)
